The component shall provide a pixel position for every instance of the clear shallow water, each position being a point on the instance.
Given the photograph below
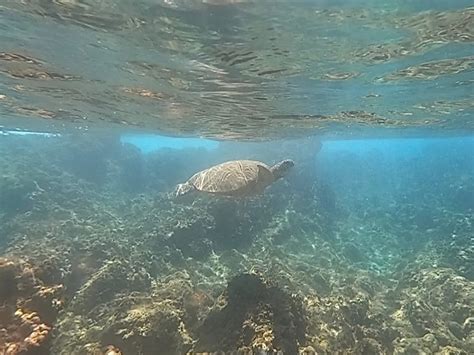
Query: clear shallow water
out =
(151, 143)
(245, 70)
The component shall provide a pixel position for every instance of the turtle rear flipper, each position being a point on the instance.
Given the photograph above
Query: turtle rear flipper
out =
(184, 189)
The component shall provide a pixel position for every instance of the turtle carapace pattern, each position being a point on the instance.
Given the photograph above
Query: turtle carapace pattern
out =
(235, 178)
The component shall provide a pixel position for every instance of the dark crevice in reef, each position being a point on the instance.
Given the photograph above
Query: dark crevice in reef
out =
(254, 315)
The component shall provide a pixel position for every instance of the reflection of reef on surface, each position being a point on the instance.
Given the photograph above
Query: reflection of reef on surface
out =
(102, 261)
(427, 30)
(213, 84)
(433, 70)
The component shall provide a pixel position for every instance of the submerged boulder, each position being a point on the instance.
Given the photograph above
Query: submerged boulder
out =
(253, 315)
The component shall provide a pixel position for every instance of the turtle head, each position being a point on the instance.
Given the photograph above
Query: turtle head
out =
(183, 189)
(282, 168)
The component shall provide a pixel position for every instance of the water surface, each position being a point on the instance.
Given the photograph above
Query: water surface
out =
(249, 69)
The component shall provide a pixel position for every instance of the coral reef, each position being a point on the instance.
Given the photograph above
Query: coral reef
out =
(339, 259)
(435, 314)
(28, 310)
(253, 316)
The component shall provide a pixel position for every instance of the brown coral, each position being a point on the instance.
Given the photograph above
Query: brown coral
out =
(27, 309)
(24, 333)
(112, 350)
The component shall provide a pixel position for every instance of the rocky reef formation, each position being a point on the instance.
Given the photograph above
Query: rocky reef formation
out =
(109, 263)
(435, 313)
(29, 305)
(253, 316)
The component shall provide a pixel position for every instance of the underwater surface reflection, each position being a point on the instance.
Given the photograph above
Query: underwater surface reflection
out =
(364, 247)
(238, 69)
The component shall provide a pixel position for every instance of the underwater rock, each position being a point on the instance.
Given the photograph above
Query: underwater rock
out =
(114, 277)
(132, 322)
(435, 302)
(255, 315)
(28, 308)
(451, 350)
(236, 222)
(8, 271)
(112, 350)
(196, 305)
(147, 327)
(349, 320)
(190, 231)
(214, 224)
(468, 326)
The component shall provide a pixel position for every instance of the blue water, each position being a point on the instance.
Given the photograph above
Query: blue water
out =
(150, 143)
(396, 147)
(401, 148)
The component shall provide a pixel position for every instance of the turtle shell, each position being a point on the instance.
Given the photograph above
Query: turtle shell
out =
(238, 177)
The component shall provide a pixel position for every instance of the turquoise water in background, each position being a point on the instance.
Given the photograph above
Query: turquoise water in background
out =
(400, 148)
(150, 143)
(394, 147)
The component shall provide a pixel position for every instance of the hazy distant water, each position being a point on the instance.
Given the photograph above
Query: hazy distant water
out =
(150, 143)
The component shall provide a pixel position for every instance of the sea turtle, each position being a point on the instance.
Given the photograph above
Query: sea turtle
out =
(235, 178)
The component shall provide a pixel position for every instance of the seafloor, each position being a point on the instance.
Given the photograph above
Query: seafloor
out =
(356, 256)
